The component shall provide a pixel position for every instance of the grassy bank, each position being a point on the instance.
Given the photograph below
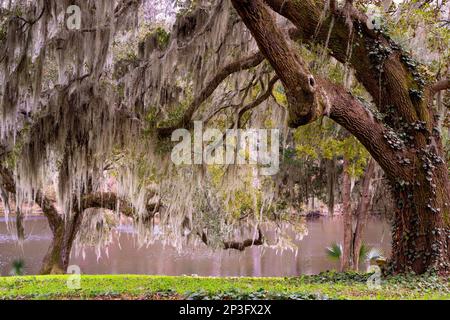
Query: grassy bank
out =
(324, 286)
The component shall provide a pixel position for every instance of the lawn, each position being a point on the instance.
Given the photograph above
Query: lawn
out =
(323, 286)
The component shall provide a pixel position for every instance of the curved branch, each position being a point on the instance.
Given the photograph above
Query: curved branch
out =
(330, 99)
(245, 90)
(346, 30)
(304, 107)
(110, 201)
(260, 99)
(246, 63)
(440, 86)
(49, 210)
(347, 111)
(237, 245)
(263, 97)
(47, 205)
(241, 246)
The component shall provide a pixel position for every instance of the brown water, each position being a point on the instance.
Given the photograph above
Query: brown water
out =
(126, 258)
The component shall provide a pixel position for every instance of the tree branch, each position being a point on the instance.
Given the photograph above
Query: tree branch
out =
(237, 245)
(342, 35)
(440, 86)
(49, 210)
(263, 97)
(249, 62)
(328, 98)
(304, 107)
(110, 201)
(347, 111)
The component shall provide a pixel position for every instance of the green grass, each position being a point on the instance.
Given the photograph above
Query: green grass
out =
(323, 286)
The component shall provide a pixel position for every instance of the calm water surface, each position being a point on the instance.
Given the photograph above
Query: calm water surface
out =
(125, 257)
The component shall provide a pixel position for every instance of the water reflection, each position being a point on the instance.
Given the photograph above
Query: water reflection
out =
(124, 256)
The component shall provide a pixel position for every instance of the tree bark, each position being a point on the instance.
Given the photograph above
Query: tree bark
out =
(419, 182)
(53, 262)
(19, 225)
(57, 258)
(420, 235)
(346, 258)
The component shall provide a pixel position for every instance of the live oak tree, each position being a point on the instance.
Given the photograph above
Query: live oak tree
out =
(405, 143)
(72, 100)
(75, 100)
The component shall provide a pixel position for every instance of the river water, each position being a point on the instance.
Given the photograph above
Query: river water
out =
(125, 257)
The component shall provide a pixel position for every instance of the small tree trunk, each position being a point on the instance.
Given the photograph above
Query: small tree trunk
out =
(307, 192)
(4, 197)
(331, 175)
(362, 212)
(347, 213)
(19, 225)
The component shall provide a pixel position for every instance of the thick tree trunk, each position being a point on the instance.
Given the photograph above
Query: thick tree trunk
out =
(348, 223)
(362, 212)
(419, 178)
(56, 261)
(420, 232)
